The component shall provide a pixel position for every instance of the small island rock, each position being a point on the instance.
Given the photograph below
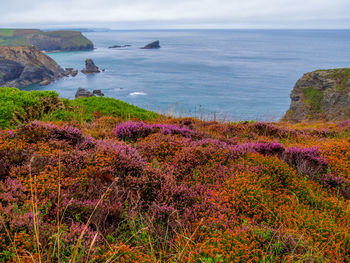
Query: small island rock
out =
(90, 67)
(152, 45)
(83, 93)
(98, 92)
(119, 46)
(73, 73)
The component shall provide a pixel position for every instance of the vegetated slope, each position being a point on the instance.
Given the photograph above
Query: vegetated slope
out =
(63, 40)
(321, 95)
(20, 107)
(174, 190)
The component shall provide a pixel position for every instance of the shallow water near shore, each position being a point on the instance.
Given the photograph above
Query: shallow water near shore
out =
(233, 74)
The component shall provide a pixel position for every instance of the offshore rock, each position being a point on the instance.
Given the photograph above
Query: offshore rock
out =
(98, 92)
(90, 67)
(119, 46)
(73, 73)
(153, 45)
(83, 93)
(321, 95)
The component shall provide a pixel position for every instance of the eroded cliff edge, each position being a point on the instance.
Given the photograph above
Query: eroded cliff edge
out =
(21, 66)
(321, 95)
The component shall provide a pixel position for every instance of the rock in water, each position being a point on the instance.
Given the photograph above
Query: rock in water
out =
(73, 73)
(98, 92)
(45, 82)
(119, 46)
(152, 45)
(321, 95)
(83, 93)
(90, 67)
(21, 66)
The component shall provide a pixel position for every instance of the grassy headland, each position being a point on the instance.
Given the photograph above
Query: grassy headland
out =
(94, 183)
(53, 40)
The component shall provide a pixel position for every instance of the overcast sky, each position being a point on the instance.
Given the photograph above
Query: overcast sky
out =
(133, 14)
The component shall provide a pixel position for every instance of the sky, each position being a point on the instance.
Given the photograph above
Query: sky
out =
(163, 14)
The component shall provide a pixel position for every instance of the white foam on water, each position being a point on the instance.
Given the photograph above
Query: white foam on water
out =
(138, 93)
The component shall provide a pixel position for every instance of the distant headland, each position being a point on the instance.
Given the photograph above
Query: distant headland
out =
(63, 40)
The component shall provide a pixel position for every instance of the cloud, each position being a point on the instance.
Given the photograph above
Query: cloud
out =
(224, 13)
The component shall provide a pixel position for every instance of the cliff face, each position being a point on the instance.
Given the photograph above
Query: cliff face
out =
(321, 95)
(20, 66)
(49, 41)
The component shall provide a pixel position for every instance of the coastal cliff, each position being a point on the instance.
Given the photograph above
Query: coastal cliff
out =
(321, 95)
(20, 66)
(63, 40)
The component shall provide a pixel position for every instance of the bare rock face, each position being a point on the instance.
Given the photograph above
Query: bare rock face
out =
(321, 95)
(153, 45)
(21, 66)
(90, 67)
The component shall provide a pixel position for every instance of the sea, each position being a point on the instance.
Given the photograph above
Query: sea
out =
(230, 75)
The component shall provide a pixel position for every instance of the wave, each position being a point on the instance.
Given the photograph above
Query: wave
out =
(138, 93)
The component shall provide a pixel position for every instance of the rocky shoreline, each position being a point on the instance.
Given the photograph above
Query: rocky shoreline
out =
(22, 66)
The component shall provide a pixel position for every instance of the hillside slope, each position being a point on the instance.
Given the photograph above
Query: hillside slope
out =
(113, 188)
(45, 41)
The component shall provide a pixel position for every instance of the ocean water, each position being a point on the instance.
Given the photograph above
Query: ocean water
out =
(231, 74)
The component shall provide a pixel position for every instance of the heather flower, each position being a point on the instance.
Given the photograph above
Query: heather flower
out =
(133, 130)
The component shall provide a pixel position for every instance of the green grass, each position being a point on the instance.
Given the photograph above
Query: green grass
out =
(341, 76)
(6, 32)
(13, 41)
(313, 98)
(18, 107)
(10, 37)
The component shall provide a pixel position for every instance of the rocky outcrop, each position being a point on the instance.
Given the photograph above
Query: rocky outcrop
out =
(70, 71)
(90, 67)
(98, 92)
(73, 73)
(63, 40)
(45, 82)
(153, 45)
(83, 93)
(321, 95)
(119, 46)
(21, 66)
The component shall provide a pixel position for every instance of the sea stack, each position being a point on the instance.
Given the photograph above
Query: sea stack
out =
(90, 67)
(153, 45)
